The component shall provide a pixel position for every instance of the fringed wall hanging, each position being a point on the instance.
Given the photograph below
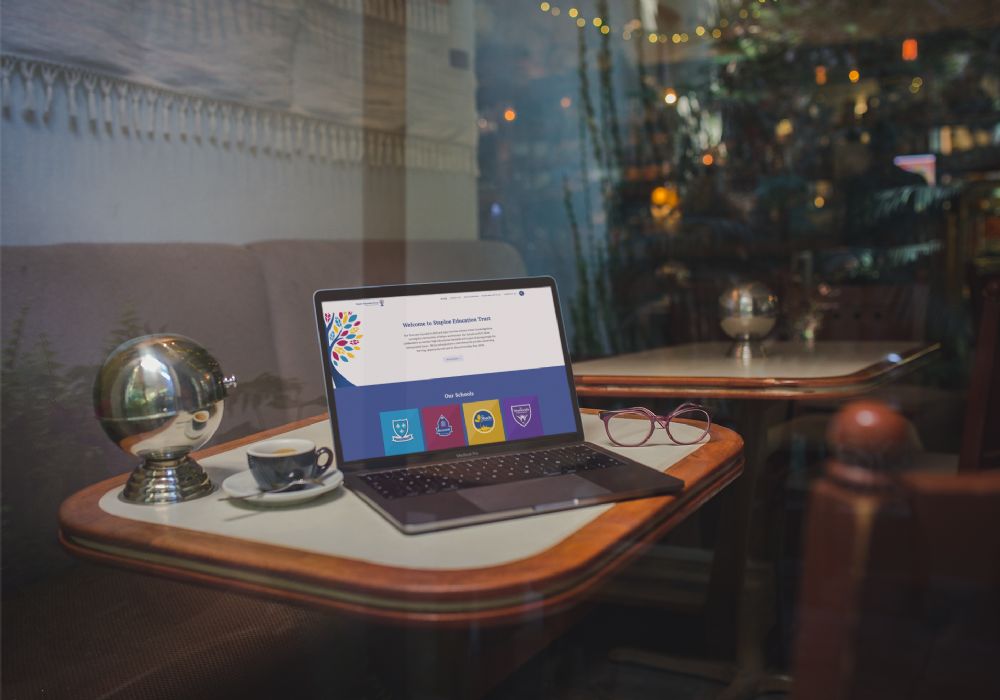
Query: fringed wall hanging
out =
(281, 78)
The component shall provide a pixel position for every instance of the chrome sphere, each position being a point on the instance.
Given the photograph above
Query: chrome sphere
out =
(159, 397)
(747, 313)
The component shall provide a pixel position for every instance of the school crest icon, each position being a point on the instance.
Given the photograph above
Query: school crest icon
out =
(482, 422)
(443, 428)
(522, 417)
(521, 413)
(401, 430)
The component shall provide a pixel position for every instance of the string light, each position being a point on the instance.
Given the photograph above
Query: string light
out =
(909, 49)
(566, 102)
(820, 73)
(509, 114)
(670, 96)
(854, 76)
(707, 159)
(819, 202)
(701, 31)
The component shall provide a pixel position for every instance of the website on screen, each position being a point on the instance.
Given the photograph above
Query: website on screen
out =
(443, 371)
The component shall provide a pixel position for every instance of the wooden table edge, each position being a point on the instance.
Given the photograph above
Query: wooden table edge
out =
(550, 580)
(751, 387)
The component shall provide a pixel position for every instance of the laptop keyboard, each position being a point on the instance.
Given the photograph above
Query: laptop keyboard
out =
(488, 471)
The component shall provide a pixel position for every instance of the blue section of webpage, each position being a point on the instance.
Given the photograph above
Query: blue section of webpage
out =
(358, 407)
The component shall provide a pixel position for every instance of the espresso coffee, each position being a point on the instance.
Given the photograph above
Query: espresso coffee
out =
(276, 463)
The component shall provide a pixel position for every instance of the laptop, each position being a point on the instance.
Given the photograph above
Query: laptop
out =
(453, 404)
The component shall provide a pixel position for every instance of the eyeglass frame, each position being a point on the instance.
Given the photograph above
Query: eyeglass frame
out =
(654, 420)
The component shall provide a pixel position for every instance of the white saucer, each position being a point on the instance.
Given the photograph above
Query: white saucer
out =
(243, 486)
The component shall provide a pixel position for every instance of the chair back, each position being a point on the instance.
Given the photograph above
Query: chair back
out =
(900, 595)
(875, 312)
(981, 435)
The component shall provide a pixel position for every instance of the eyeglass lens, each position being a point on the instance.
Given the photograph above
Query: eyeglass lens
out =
(629, 428)
(684, 433)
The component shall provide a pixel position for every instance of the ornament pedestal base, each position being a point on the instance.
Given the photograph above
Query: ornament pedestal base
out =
(167, 481)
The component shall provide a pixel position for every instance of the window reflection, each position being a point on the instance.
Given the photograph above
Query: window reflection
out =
(807, 145)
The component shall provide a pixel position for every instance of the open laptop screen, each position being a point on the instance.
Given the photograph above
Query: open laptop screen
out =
(452, 370)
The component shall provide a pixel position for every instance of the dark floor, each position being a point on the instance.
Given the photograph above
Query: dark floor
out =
(579, 666)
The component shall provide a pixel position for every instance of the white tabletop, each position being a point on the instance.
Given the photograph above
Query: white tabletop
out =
(340, 524)
(784, 360)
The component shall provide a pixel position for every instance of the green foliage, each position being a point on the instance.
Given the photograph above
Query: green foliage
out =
(916, 199)
(47, 448)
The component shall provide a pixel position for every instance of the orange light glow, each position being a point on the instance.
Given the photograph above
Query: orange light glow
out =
(509, 114)
(670, 96)
(820, 72)
(910, 49)
(854, 76)
(664, 197)
(707, 159)
(565, 102)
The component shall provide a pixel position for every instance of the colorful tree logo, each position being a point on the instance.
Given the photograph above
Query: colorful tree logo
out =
(343, 333)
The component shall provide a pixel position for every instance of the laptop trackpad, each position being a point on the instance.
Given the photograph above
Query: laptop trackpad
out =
(538, 493)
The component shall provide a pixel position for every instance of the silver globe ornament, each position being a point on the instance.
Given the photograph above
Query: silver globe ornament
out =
(159, 397)
(747, 313)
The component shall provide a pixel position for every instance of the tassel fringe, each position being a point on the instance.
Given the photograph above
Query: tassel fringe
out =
(140, 111)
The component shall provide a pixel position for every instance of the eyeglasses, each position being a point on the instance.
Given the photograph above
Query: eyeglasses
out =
(631, 427)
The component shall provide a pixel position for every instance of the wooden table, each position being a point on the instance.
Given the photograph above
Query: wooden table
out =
(790, 372)
(338, 554)
(827, 369)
